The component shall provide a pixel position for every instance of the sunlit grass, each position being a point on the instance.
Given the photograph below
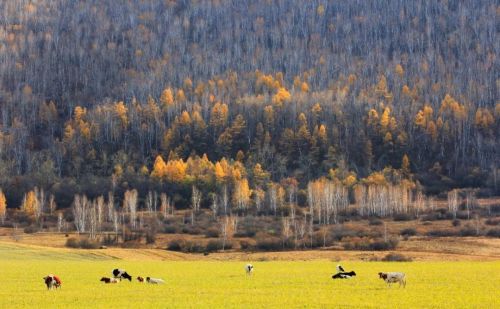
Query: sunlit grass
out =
(211, 284)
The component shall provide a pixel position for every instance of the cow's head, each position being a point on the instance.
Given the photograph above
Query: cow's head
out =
(382, 275)
(140, 279)
(104, 279)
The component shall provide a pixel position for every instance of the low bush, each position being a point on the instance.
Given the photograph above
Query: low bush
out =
(245, 233)
(193, 247)
(441, 233)
(456, 222)
(175, 245)
(212, 233)
(376, 245)
(408, 232)
(493, 233)
(150, 236)
(31, 229)
(492, 221)
(247, 245)
(375, 221)
(82, 243)
(338, 234)
(396, 257)
(213, 245)
(170, 229)
(191, 230)
(89, 244)
(468, 231)
(72, 243)
(402, 217)
(269, 243)
(109, 240)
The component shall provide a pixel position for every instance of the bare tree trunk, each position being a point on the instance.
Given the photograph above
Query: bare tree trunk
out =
(453, 202)
(214, 205)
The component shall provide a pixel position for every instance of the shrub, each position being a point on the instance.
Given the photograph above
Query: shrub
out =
(376, 245)
(383, 245)
(89, 244)
(150, 236)
(441, 233)
(110, 240)
(468, 231)
(191, 230)
(493, 233)
(175, 245)
(83, 243)
(339, 233)
(170, 229)
(375, 221)
(212, 233)
(213, 245)
(72, 243)
(408, 232)
(193, 247)
(31, 229)
(493, 221)
(402, 217)
(269, 243)
(396, 257)
(247, 245)
(245, 233)
(455, 222)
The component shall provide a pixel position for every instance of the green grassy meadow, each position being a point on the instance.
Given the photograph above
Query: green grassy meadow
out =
(217, 284)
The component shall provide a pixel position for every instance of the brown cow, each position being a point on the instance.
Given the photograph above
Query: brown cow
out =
(52, 282)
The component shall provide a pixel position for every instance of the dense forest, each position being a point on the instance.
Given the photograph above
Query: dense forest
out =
(243, 104)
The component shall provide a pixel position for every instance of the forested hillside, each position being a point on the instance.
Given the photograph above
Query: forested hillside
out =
(239, 103)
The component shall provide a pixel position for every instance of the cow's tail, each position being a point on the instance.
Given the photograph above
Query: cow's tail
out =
(404, 281)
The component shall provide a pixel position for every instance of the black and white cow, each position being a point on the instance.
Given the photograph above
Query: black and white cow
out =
(249, 269)
(342, 274)
(121, 274)
(52, 281)
(393, 277)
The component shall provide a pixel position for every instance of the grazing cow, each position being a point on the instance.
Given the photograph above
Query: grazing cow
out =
(344, 275)
(249, 269)
(110, 280)
(122, 274)
(393, 277)
(140, 279)
(154, 280)
(52, 282)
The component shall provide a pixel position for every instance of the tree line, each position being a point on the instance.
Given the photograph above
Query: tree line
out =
(191, 98)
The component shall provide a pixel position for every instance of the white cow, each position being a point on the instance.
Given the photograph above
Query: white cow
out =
(154, 280)
(393, 277)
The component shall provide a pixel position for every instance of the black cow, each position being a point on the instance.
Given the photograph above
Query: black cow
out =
(122, 274)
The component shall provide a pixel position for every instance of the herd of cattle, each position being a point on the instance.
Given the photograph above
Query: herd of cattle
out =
(54, 282)
(388, 277)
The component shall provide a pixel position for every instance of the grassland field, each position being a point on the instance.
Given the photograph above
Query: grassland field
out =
(217, 284)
